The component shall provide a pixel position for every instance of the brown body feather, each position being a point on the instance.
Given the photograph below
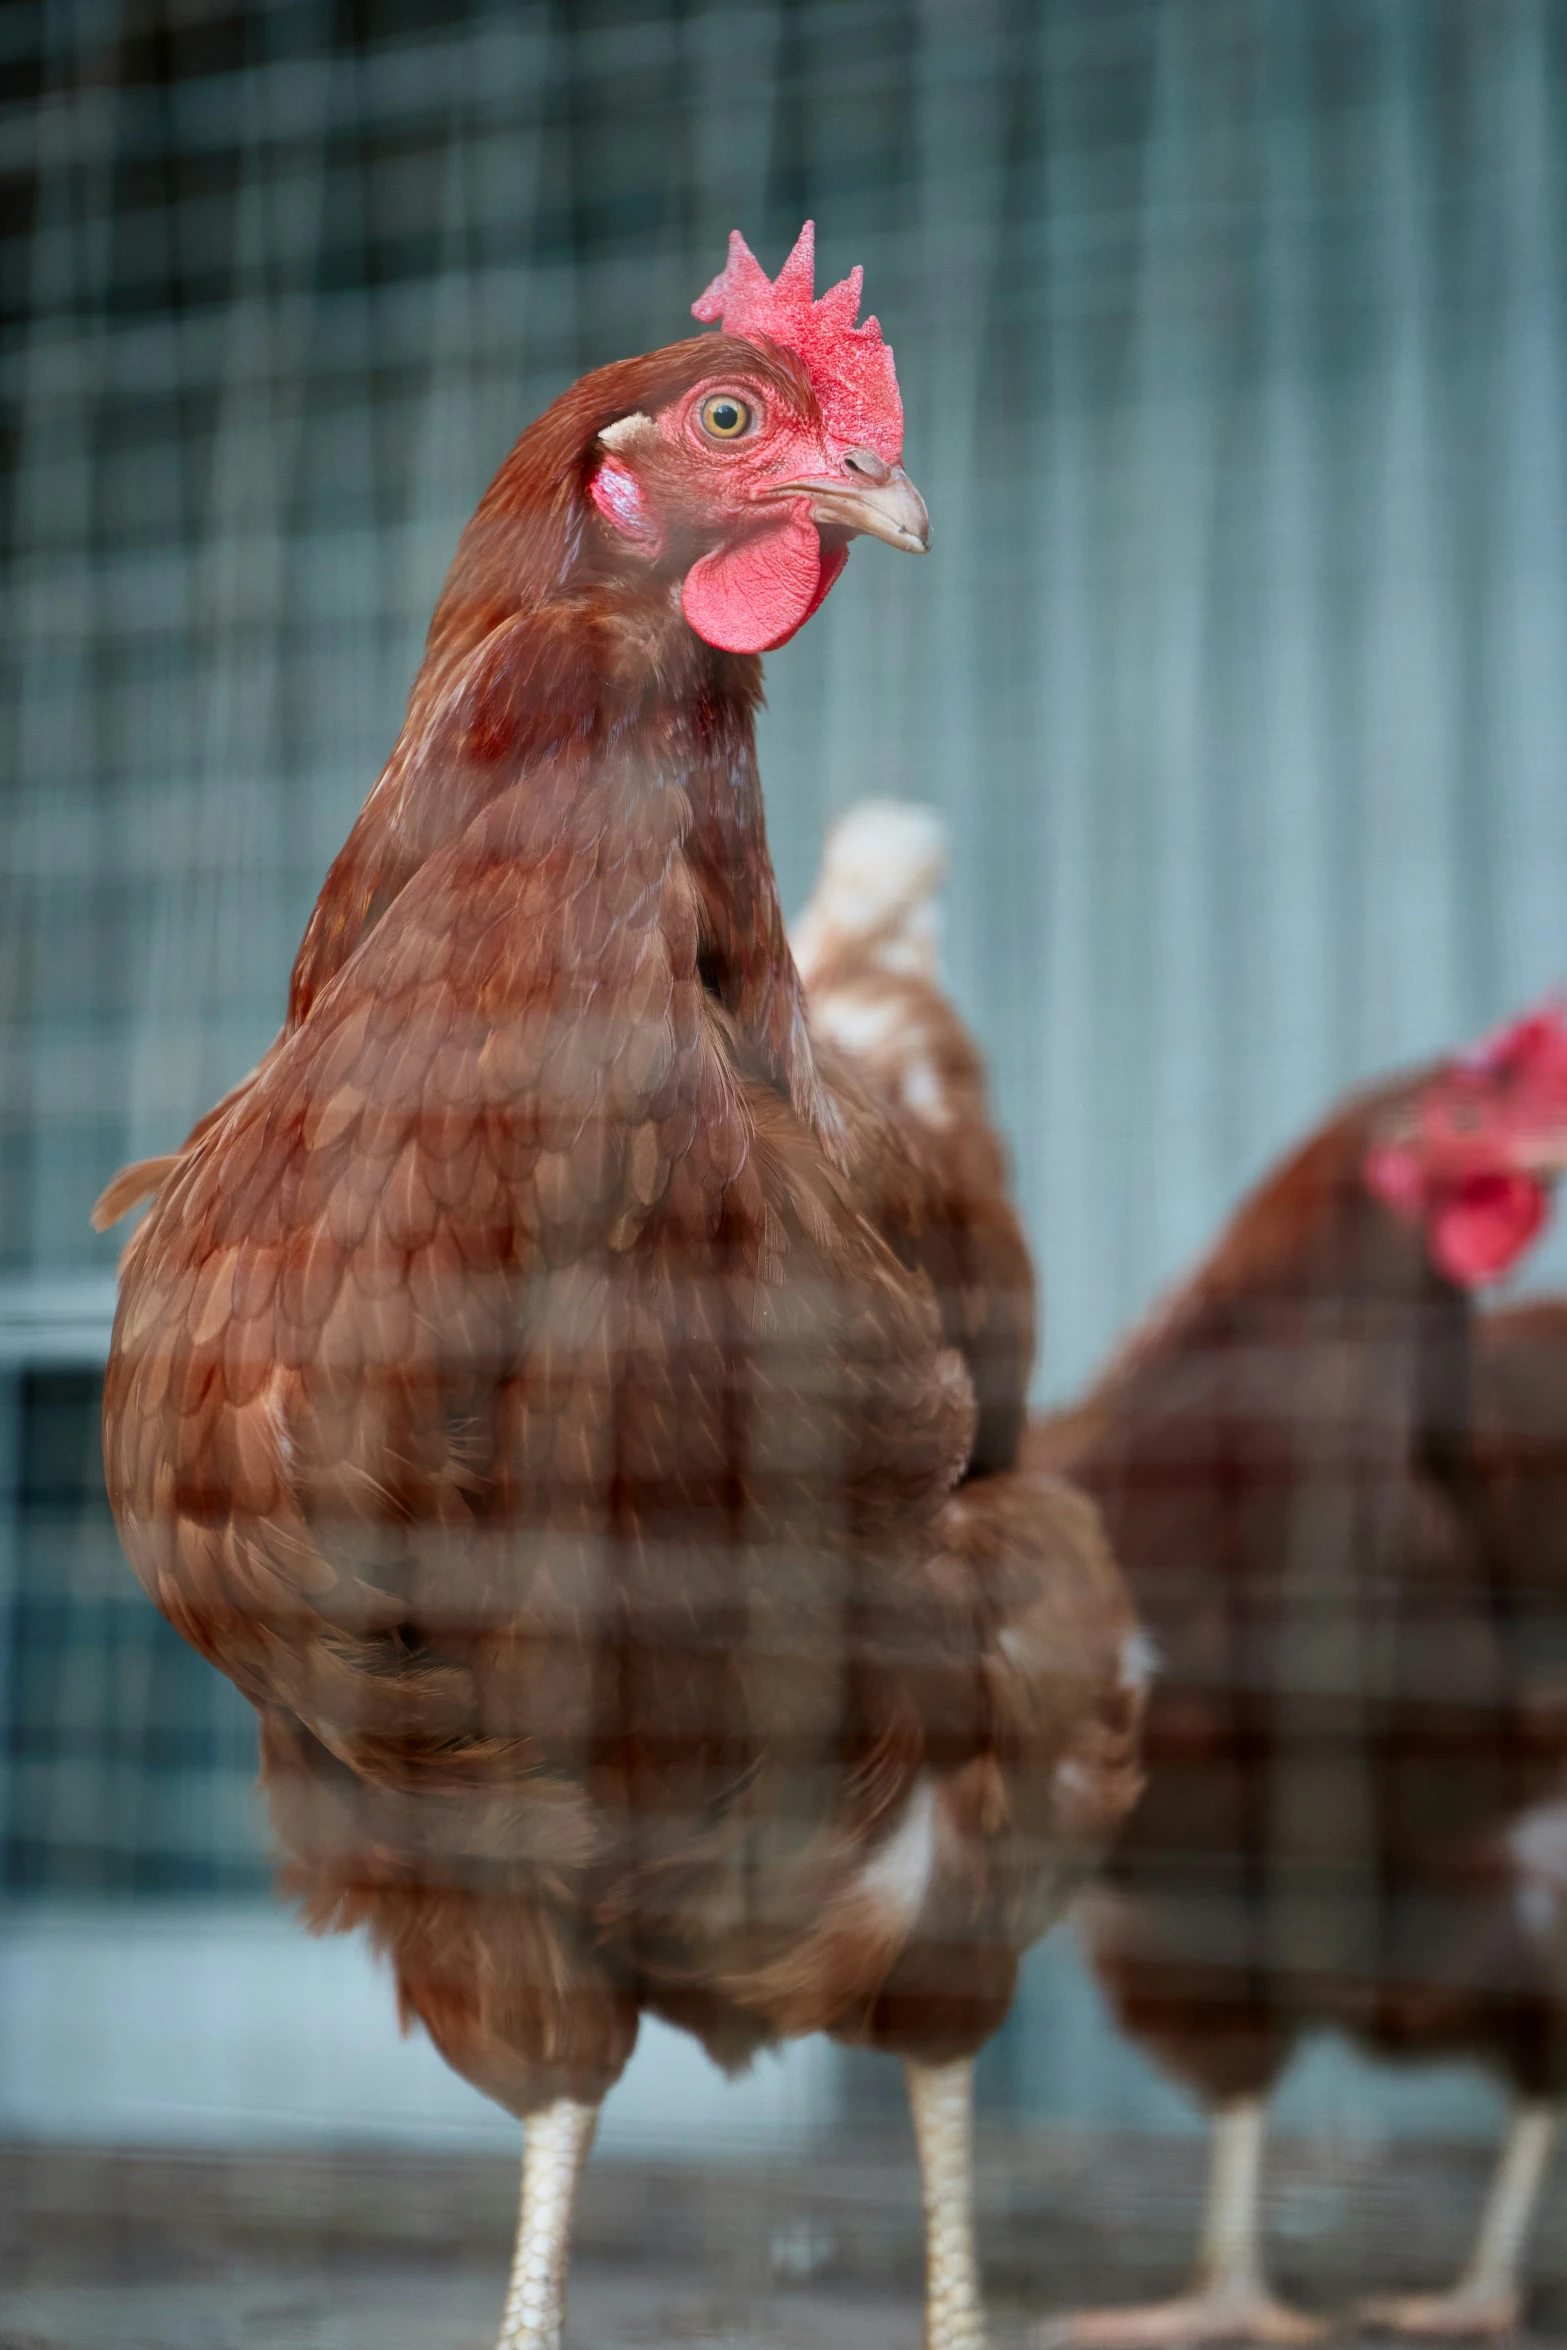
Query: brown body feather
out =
(1500, 1991)
(529, 1388)
(927, 1082)
(1282, 1460)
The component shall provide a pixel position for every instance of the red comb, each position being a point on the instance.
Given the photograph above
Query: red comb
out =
(849, 366)
(1534, 1043)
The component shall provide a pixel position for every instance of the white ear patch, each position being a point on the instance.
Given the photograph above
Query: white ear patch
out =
(626, 431)
(617, 493)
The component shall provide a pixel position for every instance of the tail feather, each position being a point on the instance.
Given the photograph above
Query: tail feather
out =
(877, 892)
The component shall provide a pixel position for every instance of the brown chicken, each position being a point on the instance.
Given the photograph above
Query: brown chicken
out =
(530, 1386)
(1502, 1994)
(1283, 1459)
(868, 949)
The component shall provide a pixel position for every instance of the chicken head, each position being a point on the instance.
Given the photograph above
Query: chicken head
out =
(746, 487)
(1475, 1158)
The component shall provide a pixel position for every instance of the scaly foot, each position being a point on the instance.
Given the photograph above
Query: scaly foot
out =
(1248, 2314)
(1468, 2313)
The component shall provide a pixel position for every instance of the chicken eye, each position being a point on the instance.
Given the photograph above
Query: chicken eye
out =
(724, 417)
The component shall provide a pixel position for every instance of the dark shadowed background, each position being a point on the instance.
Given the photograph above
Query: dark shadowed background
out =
(1231, 336)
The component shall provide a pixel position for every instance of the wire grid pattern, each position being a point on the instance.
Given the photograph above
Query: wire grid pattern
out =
(129, 1764)
(1231, 340)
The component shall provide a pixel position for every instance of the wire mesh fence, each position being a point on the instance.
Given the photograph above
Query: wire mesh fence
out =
(1233, 349)
(130, 1764)
(1231, 342)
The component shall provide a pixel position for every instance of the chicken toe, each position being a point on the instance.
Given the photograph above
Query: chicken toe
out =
(1464, 2314)
(1228, 2311)
(1487, 2300)
(1230, 2302)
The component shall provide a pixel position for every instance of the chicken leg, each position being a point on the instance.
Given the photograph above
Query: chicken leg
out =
(941, 2099)
(1487, 2299)
(1229, 2300)
(555, 2146)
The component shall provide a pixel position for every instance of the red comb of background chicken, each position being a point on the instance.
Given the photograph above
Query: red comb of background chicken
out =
(849, 366)
(1470, 1169)
(1531, 1049)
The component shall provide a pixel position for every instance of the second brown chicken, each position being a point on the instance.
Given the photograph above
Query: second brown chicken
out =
(1310, 1465)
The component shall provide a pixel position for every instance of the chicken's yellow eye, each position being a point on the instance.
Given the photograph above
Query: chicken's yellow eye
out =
(724, 416)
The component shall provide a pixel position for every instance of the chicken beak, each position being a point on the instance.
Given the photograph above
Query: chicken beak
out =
(1539, 1143)
(869, 497)
(1546, 1157)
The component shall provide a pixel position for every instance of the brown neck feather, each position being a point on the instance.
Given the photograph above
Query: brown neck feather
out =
(553, 651)
(1311, 1236)
(745, 944)
(1313, 1226)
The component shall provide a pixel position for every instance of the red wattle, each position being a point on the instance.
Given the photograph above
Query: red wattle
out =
(1483, 1226)
(833, 561)
(751, 597)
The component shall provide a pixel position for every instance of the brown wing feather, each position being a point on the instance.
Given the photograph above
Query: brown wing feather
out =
(930, 1171)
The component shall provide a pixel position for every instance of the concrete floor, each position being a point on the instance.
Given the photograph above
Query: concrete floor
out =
(135, 2250)
(357, 2306)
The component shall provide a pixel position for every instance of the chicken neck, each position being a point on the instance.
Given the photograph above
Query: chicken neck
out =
(594, 707)
(1310, 1264)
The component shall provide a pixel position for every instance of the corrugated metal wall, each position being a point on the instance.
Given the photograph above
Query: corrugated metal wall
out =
(1231, 337)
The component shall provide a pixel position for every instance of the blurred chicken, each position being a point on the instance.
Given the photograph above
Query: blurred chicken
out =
(1503, 1996)
(1284, 1457)
(868, 948)
(530, 1387)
